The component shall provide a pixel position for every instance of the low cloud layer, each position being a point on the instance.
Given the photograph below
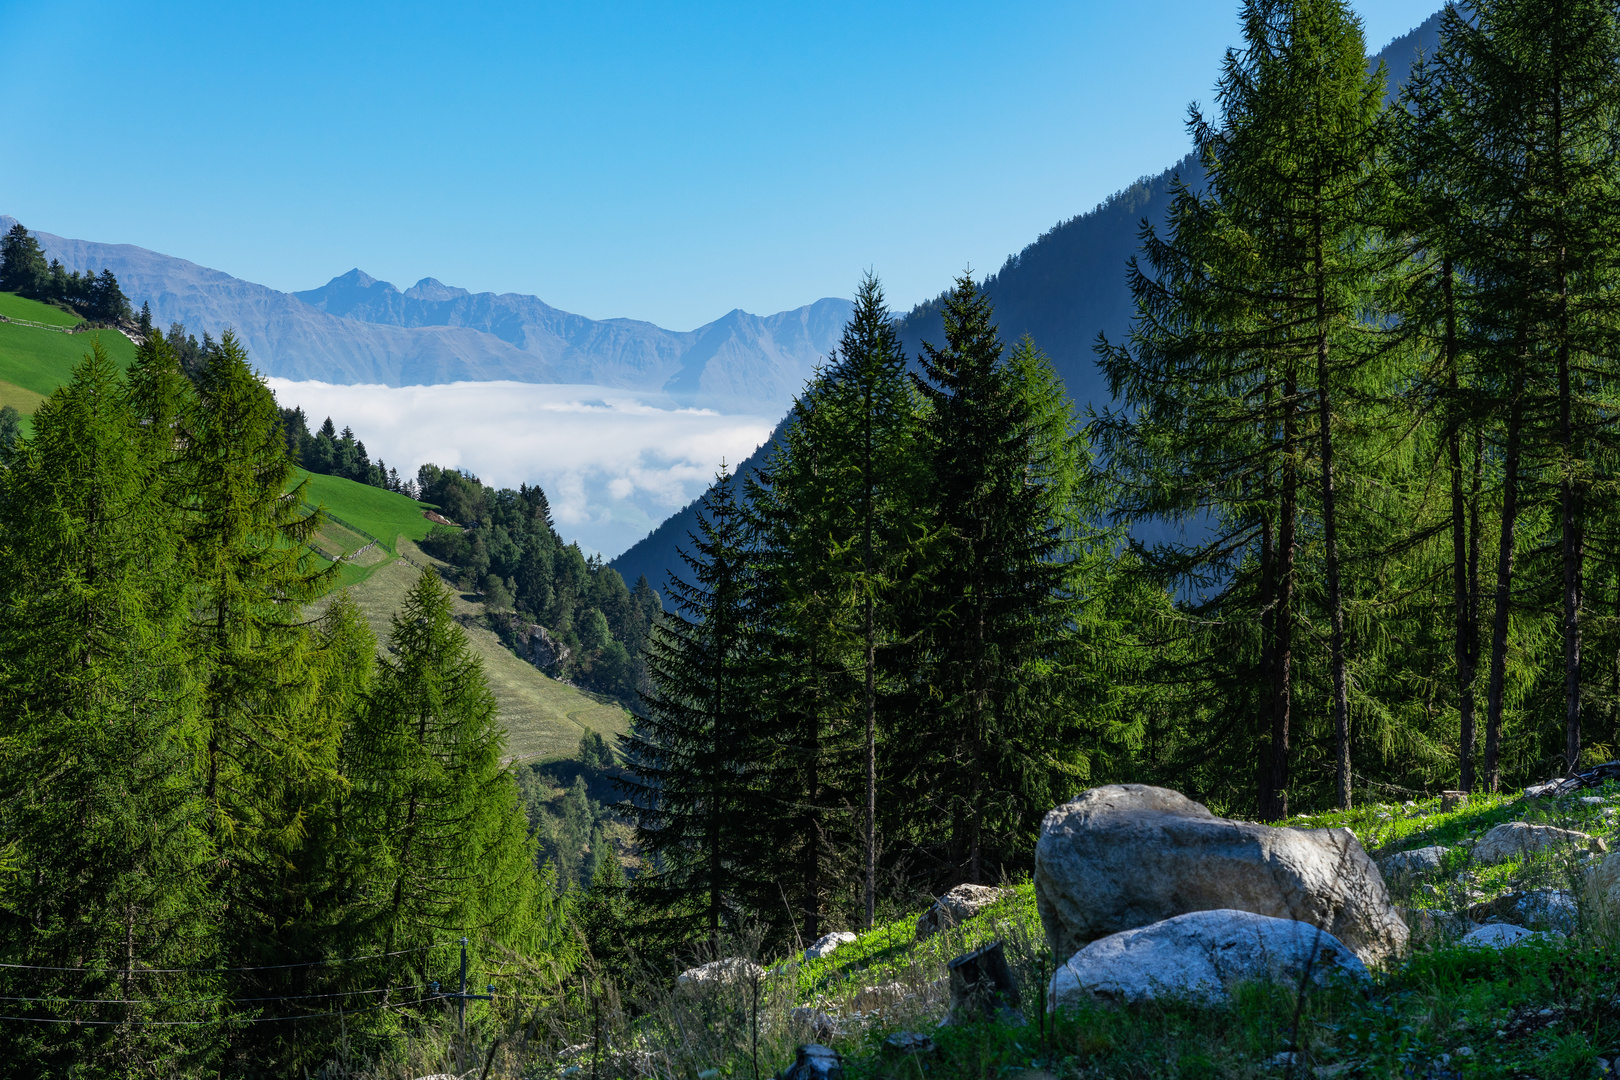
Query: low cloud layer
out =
(612, 464)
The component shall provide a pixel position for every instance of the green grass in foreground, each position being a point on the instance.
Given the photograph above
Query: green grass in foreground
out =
(1548, 1010)
(13, 306)
(41, 360)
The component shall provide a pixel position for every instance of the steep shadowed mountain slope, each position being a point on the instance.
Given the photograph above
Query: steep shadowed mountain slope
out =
(1062, 290)
(356, 329)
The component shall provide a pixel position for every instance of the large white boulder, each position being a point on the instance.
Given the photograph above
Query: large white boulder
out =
(1201, 955)
(1128, 855)
(1516, 839)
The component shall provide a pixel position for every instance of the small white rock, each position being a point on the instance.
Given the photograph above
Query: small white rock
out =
(1465, 1051)
(1505, 936)
(826, 944)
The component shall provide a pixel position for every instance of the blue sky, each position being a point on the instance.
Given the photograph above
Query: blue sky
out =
(660, 161)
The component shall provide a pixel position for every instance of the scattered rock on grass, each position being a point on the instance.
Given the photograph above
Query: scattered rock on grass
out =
(1423, 860)
(956, 907)
(1515, 839)
(1430, 927)
(731, 969)
(1127, 855)
(1201, 955)
(814, 1062)
(910, 1042)
(1505, 936)
(872, 998)
(826, 944)
(815, 1021)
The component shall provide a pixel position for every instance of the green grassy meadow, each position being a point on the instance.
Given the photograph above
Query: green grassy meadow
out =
(39, 361)
(13, 306)
(381, 515)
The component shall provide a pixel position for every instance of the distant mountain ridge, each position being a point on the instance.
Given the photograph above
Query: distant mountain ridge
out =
(356, 329)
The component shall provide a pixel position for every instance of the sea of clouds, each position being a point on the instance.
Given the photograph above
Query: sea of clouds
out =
(613, 463)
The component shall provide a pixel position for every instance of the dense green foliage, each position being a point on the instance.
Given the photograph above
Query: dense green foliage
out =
(887, 659)
(334, 453)
(23, 270)
(210, 805)
(507, 548)
(1373, 347)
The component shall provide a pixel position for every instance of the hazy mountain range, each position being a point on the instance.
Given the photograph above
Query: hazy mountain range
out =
(356, 329)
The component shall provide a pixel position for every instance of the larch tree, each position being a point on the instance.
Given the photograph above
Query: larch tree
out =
(98, 800)
(447, 851)
(1530, 89)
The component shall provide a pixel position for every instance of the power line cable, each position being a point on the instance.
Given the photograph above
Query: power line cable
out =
(208, 1023)
(228, 970)
(159, 1002)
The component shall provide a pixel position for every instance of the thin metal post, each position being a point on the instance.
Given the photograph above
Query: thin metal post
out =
(461, 998)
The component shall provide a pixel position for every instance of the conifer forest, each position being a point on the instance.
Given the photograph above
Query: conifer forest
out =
(1348, 531)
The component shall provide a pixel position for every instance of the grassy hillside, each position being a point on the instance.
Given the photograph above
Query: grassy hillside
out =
(370, 529)
(35, 361)
(381, 515)
(13, 306)
(543, 718)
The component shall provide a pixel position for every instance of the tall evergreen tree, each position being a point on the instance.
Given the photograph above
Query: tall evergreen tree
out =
(873, 408)
(1259, 303)
(22, 263)
(1532, 93)
(446, 848)
(98, 729)
(994, 738)
(693, 758)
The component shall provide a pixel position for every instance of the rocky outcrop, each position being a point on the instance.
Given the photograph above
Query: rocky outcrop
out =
(956, 907)
(1129, 855)
(1423, 860)
(1202, 955)
(1516, 839)
(733, 969)
(827, 944)
(536, 645)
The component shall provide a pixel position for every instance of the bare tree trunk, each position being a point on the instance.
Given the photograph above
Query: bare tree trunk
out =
(1268, 615)
(1568, 496)
(1504, 590)
(1330, 541)
(1460, 548)
(1283, 621)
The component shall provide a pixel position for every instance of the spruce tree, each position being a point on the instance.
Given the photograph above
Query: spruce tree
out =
(693, 759)
(22, 263)
(994, 737)
(875, 474)
(807, 640)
